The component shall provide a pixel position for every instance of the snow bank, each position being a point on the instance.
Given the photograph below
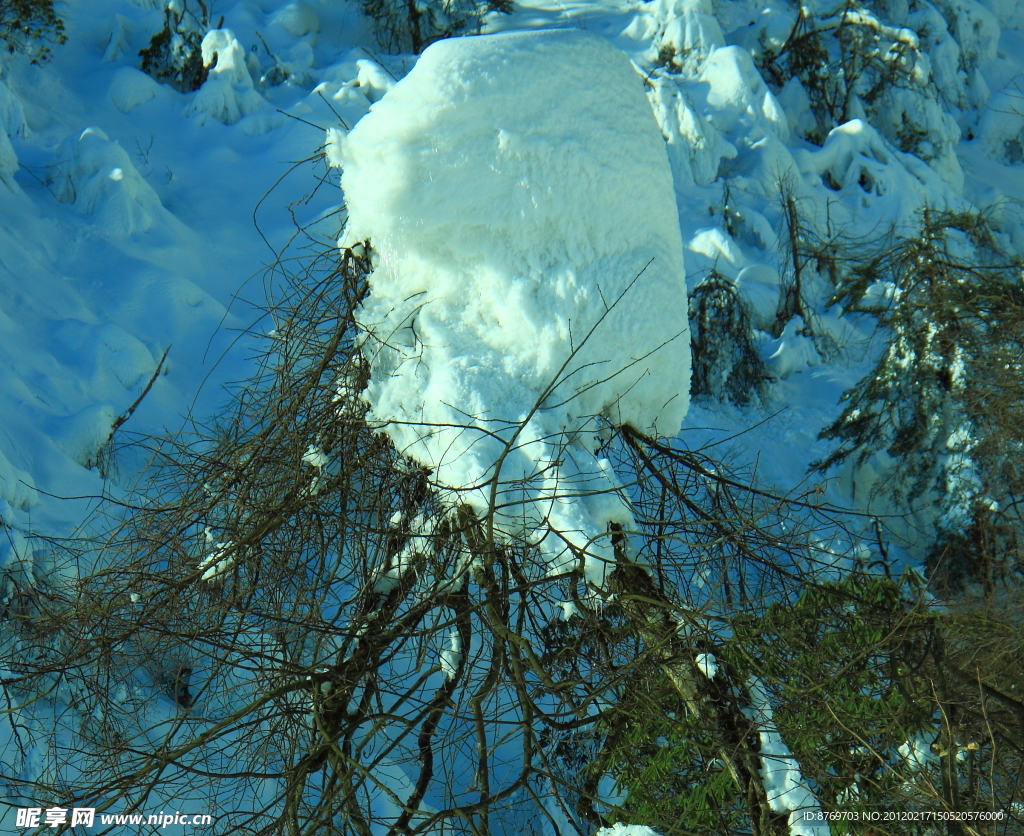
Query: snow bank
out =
(509, 213)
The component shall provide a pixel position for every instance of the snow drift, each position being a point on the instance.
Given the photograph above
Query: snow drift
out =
(511, 214)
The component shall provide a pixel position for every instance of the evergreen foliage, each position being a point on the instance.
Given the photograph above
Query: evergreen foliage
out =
(726, 364)
(872, 62)
(941, 400)
(29, 26)
(175, 54)
(413, 25)
(856, 671)
(851, 65)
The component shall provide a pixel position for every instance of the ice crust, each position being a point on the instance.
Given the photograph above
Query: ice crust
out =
(509, 214)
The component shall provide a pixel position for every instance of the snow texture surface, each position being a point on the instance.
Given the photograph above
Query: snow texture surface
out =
(529, 284)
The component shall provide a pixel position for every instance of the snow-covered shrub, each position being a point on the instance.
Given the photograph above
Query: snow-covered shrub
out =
(943, 398)
(851, 649)
(850, 64)
(412, 25)
(29, 26)
(726, 364)
(228, 93)
(686, 32)
(174, 54)
(97, 175)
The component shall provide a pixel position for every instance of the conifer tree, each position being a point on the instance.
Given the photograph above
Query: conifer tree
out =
(30, 26)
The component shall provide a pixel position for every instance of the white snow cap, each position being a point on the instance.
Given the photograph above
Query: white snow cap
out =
(513, 186)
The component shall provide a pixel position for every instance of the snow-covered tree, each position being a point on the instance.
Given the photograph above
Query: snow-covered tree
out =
(726, 364)
(175, 53)
(30, 26)
(938, 402)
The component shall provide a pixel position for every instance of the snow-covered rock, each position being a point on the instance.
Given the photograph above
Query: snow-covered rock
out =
(529, 282)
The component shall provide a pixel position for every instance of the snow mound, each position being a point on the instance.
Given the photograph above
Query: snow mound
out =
(510, 217)
(97, 175)
(97, 352)
(739, 98)
(859, 163)
(793, 351)
(83, 434)
(130, 88)
(16, 486)
(695, 148)
(228, 93)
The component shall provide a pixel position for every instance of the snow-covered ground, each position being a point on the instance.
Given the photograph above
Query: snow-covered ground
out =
(137, 223)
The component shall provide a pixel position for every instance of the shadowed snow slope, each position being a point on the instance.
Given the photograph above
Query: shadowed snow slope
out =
(508, 222)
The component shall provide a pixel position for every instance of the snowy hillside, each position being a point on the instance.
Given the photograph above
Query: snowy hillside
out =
(557, 289)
